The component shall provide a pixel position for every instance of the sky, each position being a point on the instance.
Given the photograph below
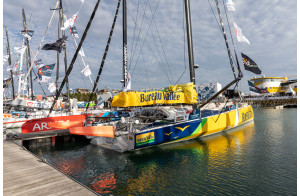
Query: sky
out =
(157, 45)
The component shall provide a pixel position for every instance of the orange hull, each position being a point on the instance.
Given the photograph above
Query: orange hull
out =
(53, 123)
(100, 131)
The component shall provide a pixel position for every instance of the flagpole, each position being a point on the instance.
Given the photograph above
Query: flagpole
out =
(9, 62)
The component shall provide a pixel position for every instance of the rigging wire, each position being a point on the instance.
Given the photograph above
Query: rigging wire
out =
(38, 48)
(154, 56)
(162, 46)
(215, 16)
(138, 38)
(237, 61)
(184, 45)
(146, 38)
(146, 71)
(131, 53)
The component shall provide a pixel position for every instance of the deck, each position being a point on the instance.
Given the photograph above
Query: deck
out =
(24, 174)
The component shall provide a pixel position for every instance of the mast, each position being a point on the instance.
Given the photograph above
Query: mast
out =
(57, 55)
(75, 56)
(28, 53)
(225, 38)
(124, 43)
(65, 51)
(190, 40)
(9, 62)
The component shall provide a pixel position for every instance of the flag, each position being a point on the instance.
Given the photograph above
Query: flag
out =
(9, 67)
(39, 63)
(52, 87)
(81, 52)
(86, 71)
(69, 22)
(255, 89)
(6, 82)
(44, 73)
(5, 58)
(250, 65)
(27, 33)
(55, 46)
(239, 34)
(15, 66)
(74, 32)
(20, 50)
(128, 83)
(230, 5)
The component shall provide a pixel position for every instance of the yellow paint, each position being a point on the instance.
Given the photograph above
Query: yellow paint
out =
(168, 133)
(181, 93)
(224, 121)
(182, 129)
(145, 138)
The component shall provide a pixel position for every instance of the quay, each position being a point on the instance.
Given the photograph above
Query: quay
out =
(26, 174)
(273, 101)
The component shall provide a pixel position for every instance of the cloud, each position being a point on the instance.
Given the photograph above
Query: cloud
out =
(162, 59)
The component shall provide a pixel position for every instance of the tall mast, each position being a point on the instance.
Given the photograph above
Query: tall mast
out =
(124, 43)
(57, 55)
(28, 52)
(225, 38)
(65, 52)
(190, 40)
(9, 62)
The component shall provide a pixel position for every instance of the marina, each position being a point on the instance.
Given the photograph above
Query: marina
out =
(133, 113)
(250, 160)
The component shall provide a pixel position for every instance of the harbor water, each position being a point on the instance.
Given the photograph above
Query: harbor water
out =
(259, 158)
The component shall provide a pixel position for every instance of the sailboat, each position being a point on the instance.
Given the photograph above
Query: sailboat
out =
(43, 120)
(162, 124)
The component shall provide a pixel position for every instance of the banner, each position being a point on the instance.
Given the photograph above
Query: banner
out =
(69, 22)
(20, 50)
(230, 5)
(239, 34)
(39, 63)
(5, 58)
(52, 87)
(44, 73)
(6, 82)
(177, 94)
(250, 65)
(27, 33)
(255, 89)
(128, 83)
(56, 45)
(86, 71)
(74, 32)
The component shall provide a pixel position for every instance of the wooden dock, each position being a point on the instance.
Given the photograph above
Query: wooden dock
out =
(25, 174)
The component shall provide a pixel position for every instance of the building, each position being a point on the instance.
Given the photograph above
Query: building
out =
(275, 85)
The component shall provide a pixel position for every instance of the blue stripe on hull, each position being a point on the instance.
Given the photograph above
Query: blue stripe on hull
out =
(166, 134)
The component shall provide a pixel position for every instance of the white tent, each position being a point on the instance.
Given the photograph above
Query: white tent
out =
(290, 91)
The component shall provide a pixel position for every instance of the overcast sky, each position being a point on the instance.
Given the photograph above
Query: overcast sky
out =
(161, 59)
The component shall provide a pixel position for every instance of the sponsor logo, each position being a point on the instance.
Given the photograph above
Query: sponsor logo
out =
(247, 115)
(30, 104)
(40, 127)
(145, 138)
(182, 128)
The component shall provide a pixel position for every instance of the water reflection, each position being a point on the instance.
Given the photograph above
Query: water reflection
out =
(245, 161)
